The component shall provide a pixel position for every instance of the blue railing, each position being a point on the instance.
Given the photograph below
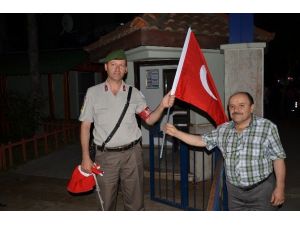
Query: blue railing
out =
(171, 182)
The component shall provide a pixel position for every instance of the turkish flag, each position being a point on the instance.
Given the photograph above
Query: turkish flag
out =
(193, 82)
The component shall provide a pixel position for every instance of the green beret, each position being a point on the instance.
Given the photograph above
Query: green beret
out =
(118, 54)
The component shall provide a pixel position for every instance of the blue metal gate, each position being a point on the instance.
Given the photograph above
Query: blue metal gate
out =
(174, 179)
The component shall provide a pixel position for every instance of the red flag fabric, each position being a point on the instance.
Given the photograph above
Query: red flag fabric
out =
(82, 181)
(193, 82)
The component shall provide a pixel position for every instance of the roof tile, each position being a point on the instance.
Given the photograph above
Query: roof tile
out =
(210, 25)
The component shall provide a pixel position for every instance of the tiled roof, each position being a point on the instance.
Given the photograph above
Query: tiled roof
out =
(209, 26)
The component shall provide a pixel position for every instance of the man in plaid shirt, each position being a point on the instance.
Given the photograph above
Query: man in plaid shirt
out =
(252, 153)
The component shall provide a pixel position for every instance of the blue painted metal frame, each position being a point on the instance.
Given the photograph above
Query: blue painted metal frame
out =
(220, 201)
(225, 193)
(241, 28)
(153, 132)
(184, 168)
(221, 195)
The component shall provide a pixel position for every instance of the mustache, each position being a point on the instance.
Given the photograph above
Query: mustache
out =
(237, 113)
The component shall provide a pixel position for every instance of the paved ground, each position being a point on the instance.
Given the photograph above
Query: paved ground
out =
(40, 185)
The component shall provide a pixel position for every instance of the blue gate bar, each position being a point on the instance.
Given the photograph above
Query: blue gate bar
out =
(184, 164)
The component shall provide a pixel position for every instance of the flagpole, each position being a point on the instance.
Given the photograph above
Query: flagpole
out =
(164, 136)
(181, 61)
(175, 82)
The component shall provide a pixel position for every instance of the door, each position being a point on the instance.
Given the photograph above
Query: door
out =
(180, 110)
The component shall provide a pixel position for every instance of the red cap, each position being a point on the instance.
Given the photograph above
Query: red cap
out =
(80, 181)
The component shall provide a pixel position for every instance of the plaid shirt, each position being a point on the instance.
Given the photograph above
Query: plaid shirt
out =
(248, 155)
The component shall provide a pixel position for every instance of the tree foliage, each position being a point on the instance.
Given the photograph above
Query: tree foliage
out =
(23, 115)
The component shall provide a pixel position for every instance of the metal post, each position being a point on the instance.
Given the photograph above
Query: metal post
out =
(184, 189)
(151, 161)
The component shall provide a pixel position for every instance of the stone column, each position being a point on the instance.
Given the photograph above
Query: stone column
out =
(244, 71)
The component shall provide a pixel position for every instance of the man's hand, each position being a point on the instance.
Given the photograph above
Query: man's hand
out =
(277, 197)
(278, 193)
(168, 100)
(170, 129)
(191, 139)
(86, 165)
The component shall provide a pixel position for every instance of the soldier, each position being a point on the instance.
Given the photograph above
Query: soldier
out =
(121, 157)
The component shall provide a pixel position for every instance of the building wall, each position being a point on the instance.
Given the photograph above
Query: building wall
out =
(244, 71)
(153, 95)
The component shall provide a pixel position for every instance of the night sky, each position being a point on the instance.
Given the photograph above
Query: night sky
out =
(87, 27)
(282, 54)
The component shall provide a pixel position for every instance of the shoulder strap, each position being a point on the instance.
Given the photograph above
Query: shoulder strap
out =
(120, 119)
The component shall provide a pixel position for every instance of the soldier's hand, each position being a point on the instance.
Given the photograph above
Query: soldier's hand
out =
(168, 100)
(86, 165)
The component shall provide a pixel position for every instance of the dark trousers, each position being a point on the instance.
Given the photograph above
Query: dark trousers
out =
(256, 199)
(124, 168)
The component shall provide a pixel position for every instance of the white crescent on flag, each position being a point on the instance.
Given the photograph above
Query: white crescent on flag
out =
(203, 78)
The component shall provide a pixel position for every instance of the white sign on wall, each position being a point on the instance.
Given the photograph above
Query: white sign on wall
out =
(152, 79)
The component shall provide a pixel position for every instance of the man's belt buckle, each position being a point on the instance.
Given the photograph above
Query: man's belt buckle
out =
(249, 188)
(118, 149)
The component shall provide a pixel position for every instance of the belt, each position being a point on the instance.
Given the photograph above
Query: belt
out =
(251, 187)
(119, 148)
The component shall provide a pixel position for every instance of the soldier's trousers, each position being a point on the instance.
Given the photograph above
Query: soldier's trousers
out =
(124, 169)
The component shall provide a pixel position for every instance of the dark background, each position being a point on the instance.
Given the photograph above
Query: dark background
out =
(282, 60)
(87, 28)
(282, 65)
